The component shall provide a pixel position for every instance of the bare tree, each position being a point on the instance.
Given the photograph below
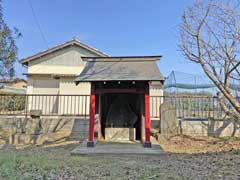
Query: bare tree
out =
(210, 36)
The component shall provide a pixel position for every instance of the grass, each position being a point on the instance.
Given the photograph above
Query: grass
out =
(38, 162)
(55, 162)
(14, 165)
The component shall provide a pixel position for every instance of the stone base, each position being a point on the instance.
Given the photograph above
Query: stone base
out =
(147, 144)
(120, 134)
(117, 149)
(90, 144)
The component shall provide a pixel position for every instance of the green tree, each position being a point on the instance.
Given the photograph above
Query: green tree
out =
(8, 48)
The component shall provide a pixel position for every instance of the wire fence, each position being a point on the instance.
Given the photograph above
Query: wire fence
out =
(181, 83)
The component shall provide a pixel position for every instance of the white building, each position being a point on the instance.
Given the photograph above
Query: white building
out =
(53, 72)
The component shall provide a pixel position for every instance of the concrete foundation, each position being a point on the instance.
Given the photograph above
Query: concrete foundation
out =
(114, 148)
(120, 134)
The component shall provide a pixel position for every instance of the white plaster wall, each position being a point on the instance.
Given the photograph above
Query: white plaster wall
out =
(69, 56)
(67, 86)
(30, 85)
(43, 87)
(46, 86)
(66, 61)
(73, 104)
(155, 102)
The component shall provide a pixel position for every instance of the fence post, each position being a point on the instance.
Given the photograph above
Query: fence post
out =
(26, 107)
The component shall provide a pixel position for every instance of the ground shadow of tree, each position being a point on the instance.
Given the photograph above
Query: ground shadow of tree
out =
(217, 132)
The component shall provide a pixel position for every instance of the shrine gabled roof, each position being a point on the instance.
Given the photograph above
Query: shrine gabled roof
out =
(137, 68)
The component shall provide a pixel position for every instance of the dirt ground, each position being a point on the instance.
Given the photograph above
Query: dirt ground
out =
(194, 145)
(55, 162)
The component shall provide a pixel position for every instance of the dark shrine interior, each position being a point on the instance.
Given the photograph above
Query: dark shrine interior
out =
(118, 109)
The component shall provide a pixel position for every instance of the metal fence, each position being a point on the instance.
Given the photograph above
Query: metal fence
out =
(187, 106)
(78, 105)
(49, 105)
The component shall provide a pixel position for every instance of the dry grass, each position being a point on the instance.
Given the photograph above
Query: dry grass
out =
(193, 145)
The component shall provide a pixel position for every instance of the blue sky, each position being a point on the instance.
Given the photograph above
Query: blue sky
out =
(116, 27)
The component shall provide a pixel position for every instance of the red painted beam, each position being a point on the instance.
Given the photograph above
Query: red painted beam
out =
(119, 90)
(90, 142)
(147, 118)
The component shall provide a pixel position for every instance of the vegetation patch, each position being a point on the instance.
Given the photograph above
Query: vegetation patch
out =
(15, 165)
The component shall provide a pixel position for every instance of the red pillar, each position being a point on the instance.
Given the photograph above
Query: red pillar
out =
(147, 143)
(90, 142)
